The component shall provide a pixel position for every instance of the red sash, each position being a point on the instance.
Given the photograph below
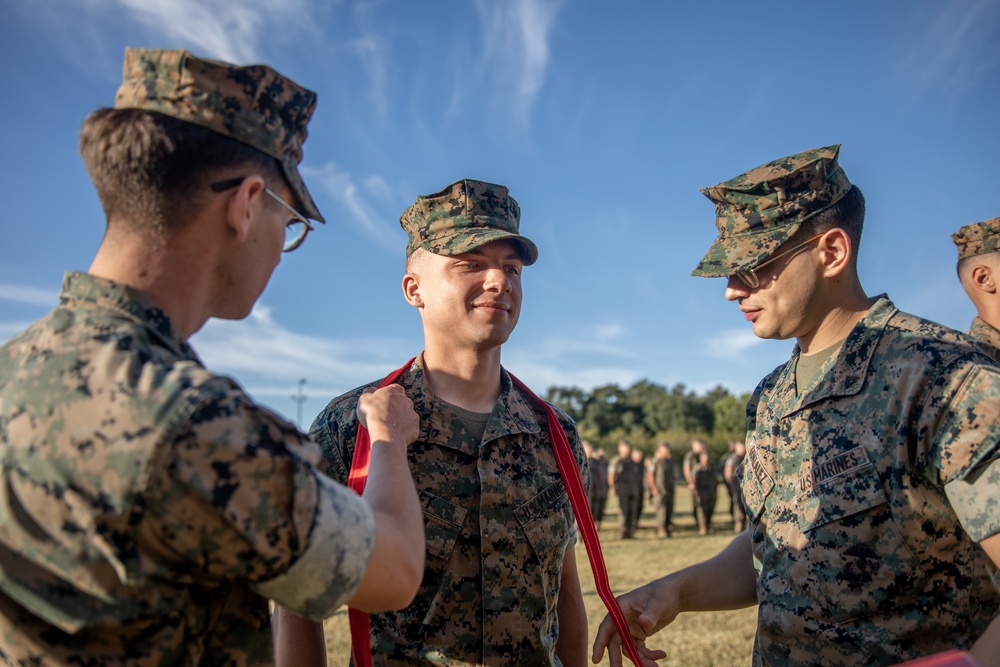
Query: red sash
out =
(360, 629)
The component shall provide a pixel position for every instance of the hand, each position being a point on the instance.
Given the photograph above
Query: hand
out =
(388, 414)
(647, 610)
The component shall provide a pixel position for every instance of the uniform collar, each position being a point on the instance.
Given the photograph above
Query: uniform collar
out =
(128, 302)
(985, 332)
(512, 414)
(849, 369)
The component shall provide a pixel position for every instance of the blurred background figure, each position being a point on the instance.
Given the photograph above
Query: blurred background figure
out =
(661, 487)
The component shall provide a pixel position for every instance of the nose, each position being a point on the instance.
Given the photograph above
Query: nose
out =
(736, 289)
(497, 279)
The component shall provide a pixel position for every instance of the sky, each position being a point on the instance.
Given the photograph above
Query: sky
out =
(603, 119)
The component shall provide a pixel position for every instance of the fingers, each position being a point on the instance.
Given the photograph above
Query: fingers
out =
(615, 653)
(388, 414)
(605, 633)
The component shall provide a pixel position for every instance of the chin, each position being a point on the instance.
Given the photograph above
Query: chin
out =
(231, 313)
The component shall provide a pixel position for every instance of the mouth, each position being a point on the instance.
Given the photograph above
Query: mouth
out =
(492, 306)
(750, 314)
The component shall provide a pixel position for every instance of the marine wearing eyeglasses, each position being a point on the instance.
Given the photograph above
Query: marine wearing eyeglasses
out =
(872, 465)
(150, 509)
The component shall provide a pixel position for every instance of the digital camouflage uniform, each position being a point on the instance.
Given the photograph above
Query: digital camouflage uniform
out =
(628, 488)
(861, 556)
(867, 494)
(987, 335)
(978, 239)
(149, 508)
(498, 525)
(706, 493)
(664, 480)
(597, 497)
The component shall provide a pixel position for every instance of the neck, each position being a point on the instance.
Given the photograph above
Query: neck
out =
(989, 312)
(849, 306)
(161, 271)
(467, 378)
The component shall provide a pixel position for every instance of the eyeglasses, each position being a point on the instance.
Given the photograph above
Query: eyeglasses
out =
(295, 229)
(749, 277)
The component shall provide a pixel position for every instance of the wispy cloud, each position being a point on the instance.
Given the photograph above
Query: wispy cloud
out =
(265, 354)
(372, 52)
(212, 28)
(731, 344)
(359, 200)
(608, 332)
(587, 360)
(28, 295)
(957, 48)
(515, 39)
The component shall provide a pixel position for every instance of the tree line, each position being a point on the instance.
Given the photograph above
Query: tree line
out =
(647, 413)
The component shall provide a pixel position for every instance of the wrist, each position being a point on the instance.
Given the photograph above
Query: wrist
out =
(384, 434)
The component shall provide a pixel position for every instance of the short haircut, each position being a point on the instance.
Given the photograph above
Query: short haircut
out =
(963, 265)
(415, 259)
(150, 169)
(847, 214)
(989, 259)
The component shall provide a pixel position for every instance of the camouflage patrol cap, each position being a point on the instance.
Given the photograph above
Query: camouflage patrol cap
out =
(463, 216)
(978, 238)
(758, 211)
(254, 105)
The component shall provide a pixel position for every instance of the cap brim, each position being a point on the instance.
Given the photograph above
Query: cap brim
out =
(301, 192)
(475, 238)
(729, 255)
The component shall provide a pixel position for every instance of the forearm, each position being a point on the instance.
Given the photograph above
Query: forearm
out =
(298, 642)
(698, 586)
(397, 562)
(726, 581)
(571, 646)
(391, 494)
(986, 650)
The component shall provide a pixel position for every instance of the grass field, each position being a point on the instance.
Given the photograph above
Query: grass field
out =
(693, 640)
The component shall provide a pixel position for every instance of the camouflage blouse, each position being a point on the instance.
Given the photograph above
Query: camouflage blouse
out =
(862, 558)
(498, 525)
(987, 335)
(149, 508)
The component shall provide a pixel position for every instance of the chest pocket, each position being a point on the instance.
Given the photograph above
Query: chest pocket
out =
(442, 524)
(860, 562)
(547, 520)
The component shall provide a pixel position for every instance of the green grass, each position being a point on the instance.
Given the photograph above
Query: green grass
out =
(693, 640)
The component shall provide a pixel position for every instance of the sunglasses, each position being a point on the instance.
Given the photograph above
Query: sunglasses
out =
(749, 277)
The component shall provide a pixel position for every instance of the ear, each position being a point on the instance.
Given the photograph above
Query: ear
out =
(981, 278)
(411, 290)
(836, 252)
(241, 210)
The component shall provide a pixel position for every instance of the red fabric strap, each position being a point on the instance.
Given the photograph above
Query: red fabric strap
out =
(360, 627)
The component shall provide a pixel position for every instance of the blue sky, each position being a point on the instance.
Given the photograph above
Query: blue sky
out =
(603, 118)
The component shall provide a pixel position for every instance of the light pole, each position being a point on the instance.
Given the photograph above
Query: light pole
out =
(300, 398)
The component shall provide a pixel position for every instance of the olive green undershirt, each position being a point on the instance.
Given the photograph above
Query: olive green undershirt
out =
(807, 368)
(475, 422)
